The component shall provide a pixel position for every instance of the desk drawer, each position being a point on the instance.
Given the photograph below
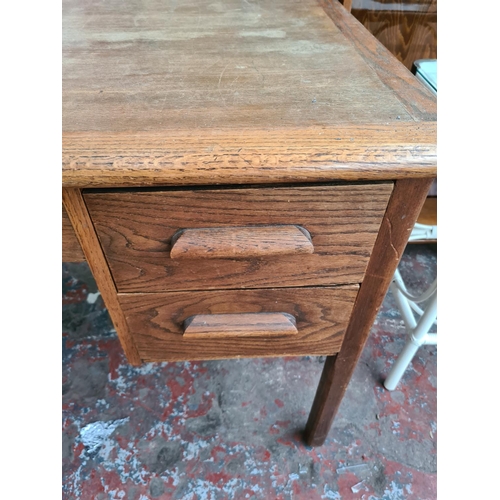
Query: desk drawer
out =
(178, 326)
(166, 240)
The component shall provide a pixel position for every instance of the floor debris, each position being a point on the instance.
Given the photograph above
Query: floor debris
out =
(95, 434)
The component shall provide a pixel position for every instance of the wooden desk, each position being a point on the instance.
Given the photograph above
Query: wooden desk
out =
(242, 177)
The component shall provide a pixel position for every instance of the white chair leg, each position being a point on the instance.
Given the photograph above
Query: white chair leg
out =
(402, 302)
(417, 338)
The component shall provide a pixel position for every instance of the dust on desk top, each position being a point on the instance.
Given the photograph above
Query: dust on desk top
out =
(214, 64)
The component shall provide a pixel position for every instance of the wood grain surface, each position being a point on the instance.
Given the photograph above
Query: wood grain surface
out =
(136, 230)
(240, 242)
(417, 99)
(156, 322)
(71, 249)
(208, 92)
(213, 64)
(85, 232)
(364, 152)
(408, 28)
(403, 209)
(242, 324)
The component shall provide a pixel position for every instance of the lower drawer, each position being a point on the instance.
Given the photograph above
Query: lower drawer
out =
(177, 326)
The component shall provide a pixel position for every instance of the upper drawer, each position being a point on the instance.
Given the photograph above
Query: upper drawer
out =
(238, 238)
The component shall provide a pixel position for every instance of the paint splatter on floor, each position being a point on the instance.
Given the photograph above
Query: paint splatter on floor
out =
(232, 429)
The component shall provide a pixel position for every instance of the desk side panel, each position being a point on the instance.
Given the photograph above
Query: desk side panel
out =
(71, 249)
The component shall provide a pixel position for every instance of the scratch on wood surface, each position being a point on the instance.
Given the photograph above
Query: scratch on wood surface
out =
(390, 239)
(220, 79)
(261, 76)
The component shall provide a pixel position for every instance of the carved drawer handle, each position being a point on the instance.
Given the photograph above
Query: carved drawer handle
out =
(239, 325)
(242, 242)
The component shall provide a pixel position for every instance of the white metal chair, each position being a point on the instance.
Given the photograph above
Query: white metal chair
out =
(418, 330)
(426, 71)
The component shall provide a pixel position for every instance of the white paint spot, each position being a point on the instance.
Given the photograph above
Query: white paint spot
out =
(394, 493)
(116, 495)
(120, 383)
(193, 449)
(106, 449)
(330, 494)
(358, 487)
(147, 368)
(95, 434)
(172, 474)
(230, 487)
(92, 297)
(352, 468)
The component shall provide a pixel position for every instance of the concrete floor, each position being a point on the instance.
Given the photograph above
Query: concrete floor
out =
(232, 429)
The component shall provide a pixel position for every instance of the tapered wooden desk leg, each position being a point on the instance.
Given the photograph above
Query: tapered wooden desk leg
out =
(403, 209)
(85, 232)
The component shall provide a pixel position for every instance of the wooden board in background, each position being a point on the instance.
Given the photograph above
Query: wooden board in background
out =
(408, 28)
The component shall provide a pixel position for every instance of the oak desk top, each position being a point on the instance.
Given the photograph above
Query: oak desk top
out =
(235, 92)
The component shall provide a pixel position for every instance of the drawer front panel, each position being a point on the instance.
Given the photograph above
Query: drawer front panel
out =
(176, 326)
(176, 240)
